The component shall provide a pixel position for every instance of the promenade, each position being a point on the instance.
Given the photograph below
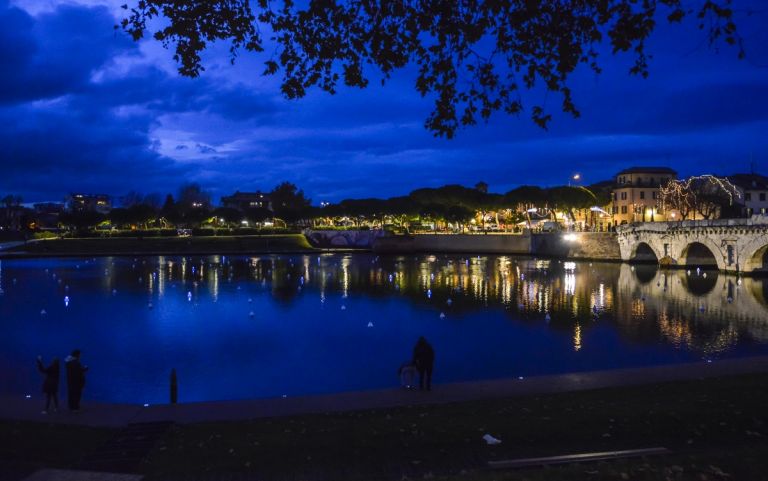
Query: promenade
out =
(118, 415)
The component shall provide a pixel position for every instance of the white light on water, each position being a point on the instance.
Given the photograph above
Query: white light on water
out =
(569, 266)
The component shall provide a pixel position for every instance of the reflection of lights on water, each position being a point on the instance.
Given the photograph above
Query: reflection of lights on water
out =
(66, 301)
(541, 265)
(577, 337)
(570, 283)
(569, 266)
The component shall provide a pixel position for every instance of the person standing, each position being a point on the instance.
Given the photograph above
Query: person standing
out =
(424, 359)
(51, 383)
(75, 379)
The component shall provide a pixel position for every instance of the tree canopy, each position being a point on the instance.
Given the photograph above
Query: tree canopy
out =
(474, 57)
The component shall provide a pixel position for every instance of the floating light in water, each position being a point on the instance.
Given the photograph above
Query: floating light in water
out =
(390, 278)
(66, 301)
(251, 314)
(370, 324)
(146, 405)
(547, 317)
(520, 377)
(42, 313)
(429, 293)
(704, 275)
(569, 266)
(250, 300)
(189, 296)
(114, 291)
(149, 305)
(449, 301)
(28, 396)
(442, 315)
(343, 308)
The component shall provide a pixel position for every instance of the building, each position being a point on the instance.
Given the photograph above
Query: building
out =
(100, 203)
(243, 201)
(636, 196)
(754, 193)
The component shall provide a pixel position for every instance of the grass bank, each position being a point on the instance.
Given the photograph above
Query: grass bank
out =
(716, 429)
(287, 243)
(27, 446)
(711, 425)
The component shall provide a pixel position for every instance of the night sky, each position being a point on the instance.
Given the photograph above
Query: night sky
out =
(84, 108)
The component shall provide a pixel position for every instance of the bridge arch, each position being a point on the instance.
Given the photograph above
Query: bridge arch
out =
(754, 255)
(644, 252)
(701, 252)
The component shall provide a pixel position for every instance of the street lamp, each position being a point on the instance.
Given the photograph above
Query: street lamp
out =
(575, 178)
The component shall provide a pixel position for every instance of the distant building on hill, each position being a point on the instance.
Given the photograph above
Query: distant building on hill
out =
(243, 201)
(78, 202)
(636, 196)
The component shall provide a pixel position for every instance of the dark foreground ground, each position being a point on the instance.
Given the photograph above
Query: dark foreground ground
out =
(716, 429)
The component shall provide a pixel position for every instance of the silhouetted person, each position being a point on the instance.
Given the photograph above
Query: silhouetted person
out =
(75, 379)
(51, 383)
(424, 358)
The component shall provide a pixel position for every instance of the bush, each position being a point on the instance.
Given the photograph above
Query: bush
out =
(44, 235)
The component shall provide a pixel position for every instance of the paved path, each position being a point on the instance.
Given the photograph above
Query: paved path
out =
(117, 415)
(8, 245)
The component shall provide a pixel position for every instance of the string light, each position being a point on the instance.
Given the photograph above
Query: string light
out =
(696, 192)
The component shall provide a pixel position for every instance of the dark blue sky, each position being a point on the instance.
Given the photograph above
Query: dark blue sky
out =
(83, 108)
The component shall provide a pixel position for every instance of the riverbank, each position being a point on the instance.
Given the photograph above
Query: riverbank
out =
(279, 243)
(710, 425)
(596, 246)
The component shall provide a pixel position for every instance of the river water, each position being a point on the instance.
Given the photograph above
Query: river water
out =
(268, 326)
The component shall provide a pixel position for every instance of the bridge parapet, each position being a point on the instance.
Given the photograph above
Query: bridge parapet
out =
(735, 245)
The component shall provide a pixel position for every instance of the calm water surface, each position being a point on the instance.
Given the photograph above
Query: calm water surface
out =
(266, 326)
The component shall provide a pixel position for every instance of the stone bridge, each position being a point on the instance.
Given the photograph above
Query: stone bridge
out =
(734, 245)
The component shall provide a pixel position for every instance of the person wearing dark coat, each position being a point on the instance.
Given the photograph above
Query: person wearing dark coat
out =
(424, 359)
(75, 379)
(51, 383)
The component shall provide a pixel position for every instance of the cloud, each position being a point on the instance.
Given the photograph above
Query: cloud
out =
(85, 108)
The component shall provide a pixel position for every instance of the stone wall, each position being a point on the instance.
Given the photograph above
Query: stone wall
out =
(578, 245)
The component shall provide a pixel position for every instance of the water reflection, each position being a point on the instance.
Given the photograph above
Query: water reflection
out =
(704, 310)
(541, 315)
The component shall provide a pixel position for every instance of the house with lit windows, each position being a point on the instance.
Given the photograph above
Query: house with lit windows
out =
(637, 197)
(754, 193)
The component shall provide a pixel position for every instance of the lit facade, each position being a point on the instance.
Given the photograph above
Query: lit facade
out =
(636, 196)
(100, 203)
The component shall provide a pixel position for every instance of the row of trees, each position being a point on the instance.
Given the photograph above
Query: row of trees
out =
(458, 204)
(192, 207)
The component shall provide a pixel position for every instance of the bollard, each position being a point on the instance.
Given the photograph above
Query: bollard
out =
(174, 387)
